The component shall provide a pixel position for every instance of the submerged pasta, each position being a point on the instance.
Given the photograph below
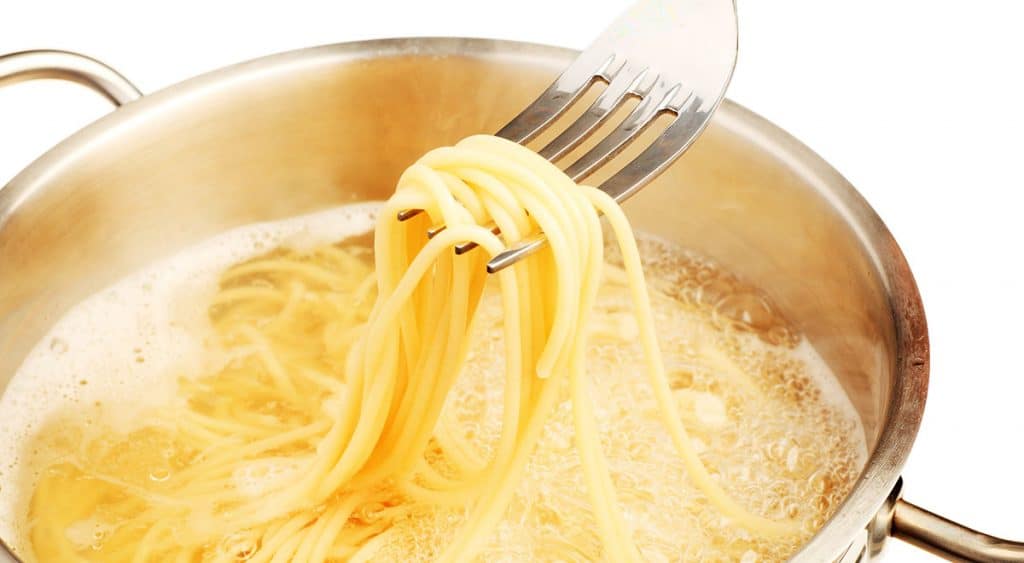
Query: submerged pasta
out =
(322, 431)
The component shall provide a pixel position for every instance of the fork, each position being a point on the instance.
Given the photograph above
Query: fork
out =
(676, 56)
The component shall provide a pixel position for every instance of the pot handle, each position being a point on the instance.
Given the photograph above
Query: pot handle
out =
(65, 65)
(947, 539)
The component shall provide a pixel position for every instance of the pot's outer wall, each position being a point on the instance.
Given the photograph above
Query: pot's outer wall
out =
(305, 130)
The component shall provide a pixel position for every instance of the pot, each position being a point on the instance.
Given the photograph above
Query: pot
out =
(299, 131)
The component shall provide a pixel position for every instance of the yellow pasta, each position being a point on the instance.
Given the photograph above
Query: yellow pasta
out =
(324, 426)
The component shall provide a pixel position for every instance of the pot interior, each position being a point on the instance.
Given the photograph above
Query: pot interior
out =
(303, 131)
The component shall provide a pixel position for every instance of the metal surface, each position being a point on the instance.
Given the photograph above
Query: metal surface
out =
(63, 65)
(301, 131)
(675, 56)
(948, 539)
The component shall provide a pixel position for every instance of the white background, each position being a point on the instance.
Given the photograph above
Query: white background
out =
(917, 102)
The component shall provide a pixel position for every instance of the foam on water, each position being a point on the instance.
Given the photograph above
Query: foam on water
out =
(127, 344)
(785, 441)
(763, 410)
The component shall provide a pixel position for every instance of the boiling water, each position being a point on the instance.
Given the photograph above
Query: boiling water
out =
(767, 416)
(117, 355)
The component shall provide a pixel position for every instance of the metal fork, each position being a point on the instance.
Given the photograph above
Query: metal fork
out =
(676, 56)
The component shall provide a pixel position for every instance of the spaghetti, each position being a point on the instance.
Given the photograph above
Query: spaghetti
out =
(323, 425)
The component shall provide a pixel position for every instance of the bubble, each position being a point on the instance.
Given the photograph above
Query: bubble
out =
(241, 546)
(160, 474)
(792, 456)
(58, 345)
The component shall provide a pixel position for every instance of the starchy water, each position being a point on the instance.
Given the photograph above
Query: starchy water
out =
(763, 410)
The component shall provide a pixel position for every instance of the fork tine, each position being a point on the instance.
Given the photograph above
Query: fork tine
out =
(635, 175)
(465, 247)
(617, 140)
(659, 99)
(551, 104)
(508, 257)
(406, 214)
(569, 86)
(627, 80)
(673, 141)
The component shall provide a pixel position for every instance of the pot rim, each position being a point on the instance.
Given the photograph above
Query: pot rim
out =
(910, 381)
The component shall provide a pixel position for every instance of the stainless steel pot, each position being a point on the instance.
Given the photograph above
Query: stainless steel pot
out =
(303, 130)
